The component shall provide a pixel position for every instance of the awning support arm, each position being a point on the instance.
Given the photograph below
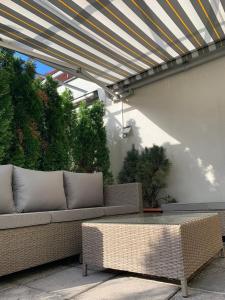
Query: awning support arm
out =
(61, 83)
(57, 64)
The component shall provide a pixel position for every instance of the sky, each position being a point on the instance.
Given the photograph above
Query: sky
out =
(40, 68)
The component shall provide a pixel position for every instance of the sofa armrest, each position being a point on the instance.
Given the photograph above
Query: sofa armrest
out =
(124, 194)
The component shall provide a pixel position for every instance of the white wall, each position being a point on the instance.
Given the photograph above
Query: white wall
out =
(186, 114)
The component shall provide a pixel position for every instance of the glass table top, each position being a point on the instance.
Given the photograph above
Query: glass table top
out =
(170, 219)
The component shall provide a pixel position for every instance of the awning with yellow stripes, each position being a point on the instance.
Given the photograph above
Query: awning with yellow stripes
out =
(112, 39)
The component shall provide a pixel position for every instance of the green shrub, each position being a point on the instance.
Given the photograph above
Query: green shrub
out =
(19, 104)
(6, 116)
(56, 138)
(40, 129)
(151, 168)
(90, 151)
(128, 173)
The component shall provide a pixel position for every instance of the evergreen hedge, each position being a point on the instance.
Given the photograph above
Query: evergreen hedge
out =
(39, 129)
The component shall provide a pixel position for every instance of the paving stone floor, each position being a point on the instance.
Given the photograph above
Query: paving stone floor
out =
(64, 280)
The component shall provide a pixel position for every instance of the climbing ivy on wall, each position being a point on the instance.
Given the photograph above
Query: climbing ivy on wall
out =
(40, 129)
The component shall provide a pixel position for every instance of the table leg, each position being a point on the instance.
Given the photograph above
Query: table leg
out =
(222, 253)
(184, 288)
(84, 269)
(80, 259)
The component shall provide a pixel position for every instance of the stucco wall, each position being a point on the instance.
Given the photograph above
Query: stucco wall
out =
(186, 114)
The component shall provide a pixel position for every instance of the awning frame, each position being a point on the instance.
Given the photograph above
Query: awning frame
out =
(57, 64)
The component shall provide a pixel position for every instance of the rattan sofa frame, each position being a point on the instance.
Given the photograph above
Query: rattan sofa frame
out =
(26, 247)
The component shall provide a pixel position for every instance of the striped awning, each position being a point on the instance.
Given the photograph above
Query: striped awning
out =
(112, 39)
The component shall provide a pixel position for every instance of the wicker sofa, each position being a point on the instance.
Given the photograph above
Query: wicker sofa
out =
(29, 239)
(180, 208)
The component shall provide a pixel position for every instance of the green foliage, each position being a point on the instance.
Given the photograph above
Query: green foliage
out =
(6, 115)
(39, 129)
(128, 173)
(151, 168)
(26, 146)
(90, 145)
(56, 142)
(69, 115)
(23, 112)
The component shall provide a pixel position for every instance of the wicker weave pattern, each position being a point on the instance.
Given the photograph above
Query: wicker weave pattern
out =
(172, 251)
(140, 249)
(221, 214)
(22, 248)
(123, 194)
(222, 221)
(201, 240)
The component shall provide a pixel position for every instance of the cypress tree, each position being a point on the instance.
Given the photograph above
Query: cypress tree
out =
(69, 123)
(21, 112)
(6, 110)
(55, 150)
(102, 161)
(39, 129)
(90, 145)
(26, 147)
(83, 151)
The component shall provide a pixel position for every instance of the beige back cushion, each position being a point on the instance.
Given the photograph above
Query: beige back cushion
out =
(6, 195)
(38, 191)
(83, 189)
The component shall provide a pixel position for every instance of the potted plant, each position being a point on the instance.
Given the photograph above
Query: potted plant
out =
(150, 167)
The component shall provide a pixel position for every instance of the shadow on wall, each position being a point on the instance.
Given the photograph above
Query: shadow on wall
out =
(193, 134)
(185, 115)
(117, 144)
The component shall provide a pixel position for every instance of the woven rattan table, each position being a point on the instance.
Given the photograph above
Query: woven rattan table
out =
(173, 246)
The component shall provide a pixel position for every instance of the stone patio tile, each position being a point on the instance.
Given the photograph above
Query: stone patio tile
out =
(25, 293)
(130, 288)
(70, 282)
(220, 262)
(211, 278)
(195, 294)
(27, 276)
(5, 284)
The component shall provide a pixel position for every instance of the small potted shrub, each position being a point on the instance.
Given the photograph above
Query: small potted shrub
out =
(150, 167)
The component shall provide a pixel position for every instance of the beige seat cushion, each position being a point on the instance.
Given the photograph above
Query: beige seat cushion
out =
(38, 191)
(6, 195)
(83, 189)
(120, 210)
(8, 221)
(76, 214)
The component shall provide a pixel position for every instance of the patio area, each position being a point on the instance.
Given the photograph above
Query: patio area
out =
(64, 280)
(109, 110)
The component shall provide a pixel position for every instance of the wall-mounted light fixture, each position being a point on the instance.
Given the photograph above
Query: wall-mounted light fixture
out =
(126, 131)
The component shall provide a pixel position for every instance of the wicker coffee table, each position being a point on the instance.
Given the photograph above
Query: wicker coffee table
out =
(173, 246)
